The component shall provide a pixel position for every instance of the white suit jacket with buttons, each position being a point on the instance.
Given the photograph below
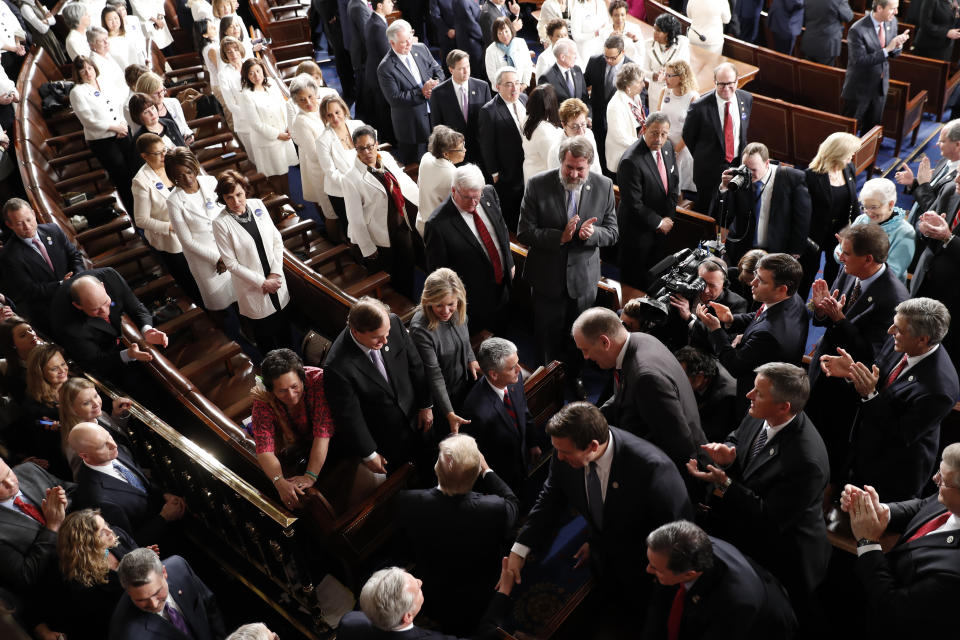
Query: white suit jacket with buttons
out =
(150, 210)
(365, 199)
(335, 161)
(266, 114)
(97, 110)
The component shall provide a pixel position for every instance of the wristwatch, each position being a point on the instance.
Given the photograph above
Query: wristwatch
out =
(863, 542)
(276, 477)
(721, 488)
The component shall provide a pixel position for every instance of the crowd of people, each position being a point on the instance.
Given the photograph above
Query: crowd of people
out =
(714, 459)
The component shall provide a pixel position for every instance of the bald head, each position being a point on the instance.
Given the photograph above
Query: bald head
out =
(93, 444)
(90, 296)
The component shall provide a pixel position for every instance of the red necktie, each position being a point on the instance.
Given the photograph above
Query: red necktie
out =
(896, 372)
(28, 509)
(43, 252)
(727, 132)
(616, 378)
(763, 307)
(663, 171)
(510, 410)
(956, 219)
(930, 525)
(882, 35)
(676, 613)
(491, 248)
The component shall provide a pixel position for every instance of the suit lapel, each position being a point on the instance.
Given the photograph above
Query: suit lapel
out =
(501, 409)
(31, 255)
(714, 116)
(369, 369)
(461, 226)
(398, 63)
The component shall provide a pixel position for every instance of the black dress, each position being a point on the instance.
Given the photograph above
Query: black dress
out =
(936, 18)
(832, 209)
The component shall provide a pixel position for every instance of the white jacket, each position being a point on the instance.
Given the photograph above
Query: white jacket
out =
(97, 110)
(365, 199)
(150, 210)
(335, 161)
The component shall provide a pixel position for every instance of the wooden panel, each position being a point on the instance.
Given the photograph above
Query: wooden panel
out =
(770, 124)
(819, 86)
(777, 74)
(810, 127)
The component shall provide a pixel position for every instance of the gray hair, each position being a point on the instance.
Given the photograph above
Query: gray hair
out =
(384, 599)
(493, 353)
(656, 117)
(564, 46)
(72, 13)
(458, 464)
(788, 383)
(95, 32)
(951, 130)
(925, 317)
(501, 71)
(578, 146)
(138, 567)
(396, 28)
(687, 546)
(364, 130)
(468, 176)
(881, 188)
(301, 82)
(614, 41)
(252, 631)
(630, 73)
(443, 139)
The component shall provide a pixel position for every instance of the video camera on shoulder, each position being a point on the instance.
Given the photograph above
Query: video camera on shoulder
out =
(676, 275)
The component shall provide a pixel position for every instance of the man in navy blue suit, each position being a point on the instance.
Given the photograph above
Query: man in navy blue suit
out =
(468, 34)
(449, 97)
(444, 25)
(785, 19)
(600, 77)
(501, 144)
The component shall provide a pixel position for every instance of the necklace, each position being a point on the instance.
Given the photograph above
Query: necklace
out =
(244, 217)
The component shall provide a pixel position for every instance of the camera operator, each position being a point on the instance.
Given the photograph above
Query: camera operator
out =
(683, 327)
(764, 205)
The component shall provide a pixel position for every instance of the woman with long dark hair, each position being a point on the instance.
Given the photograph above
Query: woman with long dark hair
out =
(541, 131)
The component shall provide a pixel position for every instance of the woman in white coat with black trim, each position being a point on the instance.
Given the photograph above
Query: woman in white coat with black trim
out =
(265, 111)
(252, 251)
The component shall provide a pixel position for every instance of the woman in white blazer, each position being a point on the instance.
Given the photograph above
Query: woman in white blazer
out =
(265, 110)
(445, 150)
(305, 130)
(507, 50)
(336, 151)
(666, 46)
(231, 62)
(541, 130)
(125, 49)
(111, 74)
(573, 120)
(707, 18)
(153, 17)
(193, 206)
(624, 114)
(152, 85)
(383, 234)
(589, 19)
(77, 19)
(252, 251)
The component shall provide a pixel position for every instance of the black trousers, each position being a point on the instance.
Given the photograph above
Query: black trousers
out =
(552, 319)
(272, 332)
(868, 111)
(113, 154)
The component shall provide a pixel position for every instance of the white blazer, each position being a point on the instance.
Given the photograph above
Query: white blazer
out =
(192, 220)
(537, 148)
(266, 114)
(150, 210)
(111, 75)
(654, 60)
(240, 255)
(305, 131)
(587, 18)
(493, 60)
(366, 203)
(553, 156)
(146, 9)
(621, 127)
(336, 161)
(230, 89)
(76, 44)
(97, 110)
(434, 181)
(127, 50)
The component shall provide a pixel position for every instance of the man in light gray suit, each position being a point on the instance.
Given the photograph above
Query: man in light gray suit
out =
(823, 22)
(563, 262)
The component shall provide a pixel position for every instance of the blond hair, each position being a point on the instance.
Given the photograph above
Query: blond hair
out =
(688, 82)
(439, 285)
(82, 553)
(833, 152)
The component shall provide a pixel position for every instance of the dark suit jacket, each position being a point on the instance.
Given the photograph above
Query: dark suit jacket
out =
(786, 17)
(377, 46)
(774, 507)
(868, 71)
(504, 444)
(358, 14)
(442, 18)
(469, 35)
(735, 599)
(408, 107)
(27, 550)
(27, 276)
(643, 205)
(372, 414)
(543, 215)
(356, 626)
(936, 18)
(196, 602)
(789, 222)
(445, 109)
(909, 588)
(644, 491)
(822, 227)
(488, 13)
(594, 76)
(93, 342)
(897, 433)
(697, 335)
(500, 142)
(718, 406)
(703, 133)
(823, 22)
(558, 79)
(655, 400)
(925, 195)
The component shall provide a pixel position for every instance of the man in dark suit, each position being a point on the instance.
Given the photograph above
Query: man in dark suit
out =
(748, 15)
(499, 418)
(376, 387)
(565, 76)
(33, 504)
(467, 234)
(447, 103)
(715, 390)
(649, 191)
(377, 46)
(146, 612)
(777, 332)
(469, 35)
(909, 588)
(870, 41)
(600, 77)
(444, 25)
(111, 480)
(407, 75)
(563, 260)
(707, 587)
(354, 23)
(768, 480)
(771, 213)
(905, 396)
(471, 509)
(856, 316)
(785, 19)
(35, 260)
(823, 22)
(716, 132)
(501, 144)
(623, 486)
(86, 316)
(652, 397)
(926, 185)
(493, 9)
(683, 327)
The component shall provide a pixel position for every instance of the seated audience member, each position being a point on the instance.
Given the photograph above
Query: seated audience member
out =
(468, 235)
(33, 504)
(774, 217)
(111, 480)
(80, 402)
(501, 141)
(508, 50)
(555, 30)
(392, 598)
(77, 20)
(715, 390)
(541, 130)
(376, 386)
(910, 587)
(878, 199)
(89, 551)
(164, 600)
(768, 479)
(632, 488)
(471, 508)
(906, 393)
(252, 631)
(712, 580)
(292, 424)
(573, 120)
(777, 332)
(36, 259)
(445, 150)
(497, 415)
(439, 330)
(625, 115)
(17, 340)
(456, 103)
(38, 436)
(375, 193)
(856, 317)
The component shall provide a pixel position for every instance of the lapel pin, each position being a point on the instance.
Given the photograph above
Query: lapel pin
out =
(909, 378)
(772, 451)
(949, 539)
(49, 241)
(587, 187)
(179, 592)
(695, 599)
(615, 484)
(386, 347)
(869, 298)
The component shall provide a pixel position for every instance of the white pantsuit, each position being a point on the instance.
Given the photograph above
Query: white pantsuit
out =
(266, 115)
(305, 131)
(150, 210)
(336, 161)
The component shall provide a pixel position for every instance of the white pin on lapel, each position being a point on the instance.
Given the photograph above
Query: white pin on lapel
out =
(386, 347)
(949, 539)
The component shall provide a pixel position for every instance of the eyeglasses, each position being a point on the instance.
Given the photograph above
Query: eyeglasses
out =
(509, 85)
(576, 127)
(871, 207)
(676, 75)
(468, 197)
(938, 480)
(612, 58)
(726, 84)
(367, 148)
(458, 150)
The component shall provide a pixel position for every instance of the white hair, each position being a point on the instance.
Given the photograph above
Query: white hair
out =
(881, 188)
(564, 46)
(468, 176)
(385, 599)
(396, 28)
(501, 71)
(252, 631)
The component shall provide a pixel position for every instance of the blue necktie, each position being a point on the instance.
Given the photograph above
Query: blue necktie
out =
(757, 199)
(595, 496)
(129, 476)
